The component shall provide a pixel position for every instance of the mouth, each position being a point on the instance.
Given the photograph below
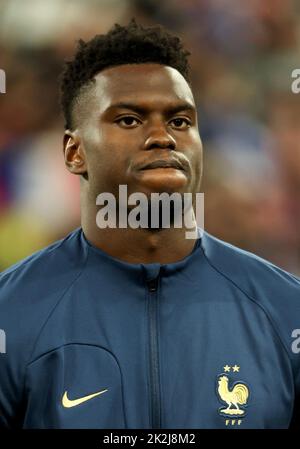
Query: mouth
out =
(163, 164)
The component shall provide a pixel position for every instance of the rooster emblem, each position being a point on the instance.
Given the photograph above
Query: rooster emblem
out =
(237, 396)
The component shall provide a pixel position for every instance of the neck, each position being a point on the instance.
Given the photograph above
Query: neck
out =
(140, 245)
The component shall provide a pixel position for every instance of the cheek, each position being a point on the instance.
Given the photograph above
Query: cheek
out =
(196, 154)
(118, 148)
(196, 160)
(106, 164)
(104, 151)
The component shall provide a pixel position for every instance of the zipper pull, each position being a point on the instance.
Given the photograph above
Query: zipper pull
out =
(152, 284)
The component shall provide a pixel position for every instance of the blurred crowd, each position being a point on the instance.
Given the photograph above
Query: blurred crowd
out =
(243, 55)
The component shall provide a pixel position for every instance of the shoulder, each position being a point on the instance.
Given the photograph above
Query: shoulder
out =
(267, 286)
(55, 262)
(246, 269)
(30, 289)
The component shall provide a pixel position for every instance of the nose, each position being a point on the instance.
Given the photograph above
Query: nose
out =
(159, 137)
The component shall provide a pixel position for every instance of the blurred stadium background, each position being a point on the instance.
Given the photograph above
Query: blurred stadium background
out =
(243, 54)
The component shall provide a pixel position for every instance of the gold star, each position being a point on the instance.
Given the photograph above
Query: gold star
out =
(226, 369)
(236, 369)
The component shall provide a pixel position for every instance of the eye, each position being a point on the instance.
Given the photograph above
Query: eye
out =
(180, 123)
(128, 121)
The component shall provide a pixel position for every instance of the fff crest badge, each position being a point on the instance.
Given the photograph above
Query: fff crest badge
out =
(233, 393)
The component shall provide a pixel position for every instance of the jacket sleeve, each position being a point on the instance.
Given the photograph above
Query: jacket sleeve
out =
(295, 421)
(11, 385)
(14, 333)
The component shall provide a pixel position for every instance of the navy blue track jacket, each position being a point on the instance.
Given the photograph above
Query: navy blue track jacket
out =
(89, 341)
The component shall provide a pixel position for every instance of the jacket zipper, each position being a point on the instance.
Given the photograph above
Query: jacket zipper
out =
(154, 357)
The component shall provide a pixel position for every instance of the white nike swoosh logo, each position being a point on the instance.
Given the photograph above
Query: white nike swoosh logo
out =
(66, 402)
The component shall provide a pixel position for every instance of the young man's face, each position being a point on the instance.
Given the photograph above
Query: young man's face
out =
(135, 115)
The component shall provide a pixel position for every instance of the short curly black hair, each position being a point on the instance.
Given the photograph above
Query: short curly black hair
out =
(129, 44)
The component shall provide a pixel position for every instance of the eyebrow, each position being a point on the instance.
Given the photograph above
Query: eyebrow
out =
(143, 110)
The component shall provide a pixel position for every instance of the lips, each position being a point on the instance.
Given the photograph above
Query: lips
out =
(162, 163)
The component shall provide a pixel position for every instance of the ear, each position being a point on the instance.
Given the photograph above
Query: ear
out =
(75, 158)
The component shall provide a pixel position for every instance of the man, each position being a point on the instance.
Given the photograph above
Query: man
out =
(124, 327)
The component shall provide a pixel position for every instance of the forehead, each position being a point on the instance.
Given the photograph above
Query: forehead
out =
(153, 84)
